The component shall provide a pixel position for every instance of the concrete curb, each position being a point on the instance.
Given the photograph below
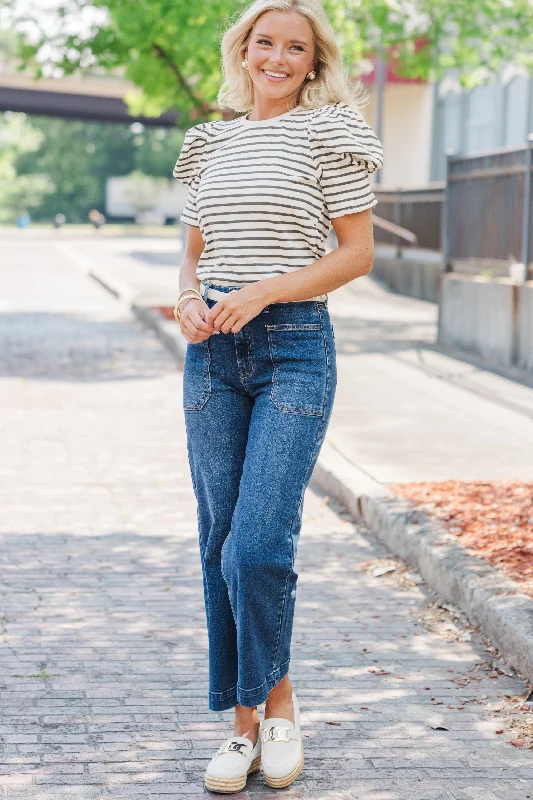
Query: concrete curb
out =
(490, 600)
(167, 330)
(337, 476)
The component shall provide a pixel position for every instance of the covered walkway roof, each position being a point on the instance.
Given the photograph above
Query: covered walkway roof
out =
(100, 99)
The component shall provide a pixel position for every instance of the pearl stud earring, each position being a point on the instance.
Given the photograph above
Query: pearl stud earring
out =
(311, 76)
(244, 64)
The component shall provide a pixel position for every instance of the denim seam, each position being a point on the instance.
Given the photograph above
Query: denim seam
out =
(198, 406)
(327, 381)
(243, 375)
(281, 618)
(229, 692)
(290, 326)
(291, 542)
(208, 600)
(305, 481)
(291, 534)
(225, 579)
(225, 693)
(248, 335)
(328, 361)
(195, 490)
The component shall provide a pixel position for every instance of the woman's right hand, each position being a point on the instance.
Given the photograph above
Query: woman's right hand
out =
(192, 321)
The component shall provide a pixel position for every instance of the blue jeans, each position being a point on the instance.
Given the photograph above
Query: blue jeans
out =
(257, 404)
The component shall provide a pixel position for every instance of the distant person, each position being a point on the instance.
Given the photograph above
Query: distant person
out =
(59, 220)
(96, 218)
(263, 190)
(23, 219)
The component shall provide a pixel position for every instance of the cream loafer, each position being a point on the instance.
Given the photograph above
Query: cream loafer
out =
(282, 754)
(232, 763)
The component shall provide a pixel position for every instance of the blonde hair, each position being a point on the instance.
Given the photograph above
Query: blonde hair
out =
(331, 84)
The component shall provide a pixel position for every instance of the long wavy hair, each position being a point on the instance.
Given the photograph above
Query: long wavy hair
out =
(331, 84)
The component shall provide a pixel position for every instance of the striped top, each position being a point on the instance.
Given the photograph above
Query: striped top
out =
(264, 192)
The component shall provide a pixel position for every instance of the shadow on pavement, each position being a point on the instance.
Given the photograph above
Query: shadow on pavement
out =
(69, 347)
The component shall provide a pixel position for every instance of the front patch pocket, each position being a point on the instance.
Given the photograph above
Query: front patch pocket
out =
(298, 354)
(196, 376)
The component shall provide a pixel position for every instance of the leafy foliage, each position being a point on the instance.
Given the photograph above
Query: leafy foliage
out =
(78, 157)
(19, 193)
(427, 37)
(170, 48)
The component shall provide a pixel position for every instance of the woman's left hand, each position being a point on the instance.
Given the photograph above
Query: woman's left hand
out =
(232, 312)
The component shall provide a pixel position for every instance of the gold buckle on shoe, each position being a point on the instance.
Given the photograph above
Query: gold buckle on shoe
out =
(275, 734)
(232, 747)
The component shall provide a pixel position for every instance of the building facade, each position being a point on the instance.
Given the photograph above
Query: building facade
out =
(495, 114)
(422, 122)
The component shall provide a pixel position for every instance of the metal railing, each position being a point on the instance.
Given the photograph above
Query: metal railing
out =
(419, 210)
(396, 230)
(488, 212)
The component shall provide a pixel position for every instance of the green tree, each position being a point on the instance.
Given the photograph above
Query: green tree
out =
(78, 157)
(169, 48)
(19, 192)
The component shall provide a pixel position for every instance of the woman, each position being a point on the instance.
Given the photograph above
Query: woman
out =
(263, 190)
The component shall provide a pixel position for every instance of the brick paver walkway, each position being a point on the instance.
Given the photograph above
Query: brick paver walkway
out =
(103, 675)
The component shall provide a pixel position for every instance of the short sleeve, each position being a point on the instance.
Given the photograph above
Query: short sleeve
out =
(346, 150)
(187, 170)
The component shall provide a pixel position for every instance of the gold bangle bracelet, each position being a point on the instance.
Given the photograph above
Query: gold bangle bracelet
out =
(177, 311)
(187, 294)
(186, 291)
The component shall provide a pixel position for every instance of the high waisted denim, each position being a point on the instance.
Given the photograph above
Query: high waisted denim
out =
(257, 404)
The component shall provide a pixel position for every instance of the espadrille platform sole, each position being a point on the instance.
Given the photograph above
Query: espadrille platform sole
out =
(281, 783)
(228, 785)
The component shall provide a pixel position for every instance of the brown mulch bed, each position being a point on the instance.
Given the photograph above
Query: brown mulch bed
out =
(492, 518)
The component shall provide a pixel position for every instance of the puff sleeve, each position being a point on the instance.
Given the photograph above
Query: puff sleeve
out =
(345, 150)
(187, 169)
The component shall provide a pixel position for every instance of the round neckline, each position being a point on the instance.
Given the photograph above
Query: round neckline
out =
(270, 121)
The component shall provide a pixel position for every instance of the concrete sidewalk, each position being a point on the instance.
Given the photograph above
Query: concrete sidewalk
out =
(403, 411)
(407, 412)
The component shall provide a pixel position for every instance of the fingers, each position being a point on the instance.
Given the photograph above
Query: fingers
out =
(193, 318)
(222, 319)
(192, 333)
(197, 316)
(217, 315)
(193, 324)
(227, 318)
(198, 321)
(228, 324)
(195, 338)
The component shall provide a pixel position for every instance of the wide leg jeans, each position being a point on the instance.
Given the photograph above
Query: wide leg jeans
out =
(256, 405)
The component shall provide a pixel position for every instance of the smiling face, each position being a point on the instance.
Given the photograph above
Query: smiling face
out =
(280, 53)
